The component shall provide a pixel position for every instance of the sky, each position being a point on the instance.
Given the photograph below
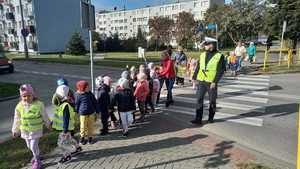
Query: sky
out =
(130, 4)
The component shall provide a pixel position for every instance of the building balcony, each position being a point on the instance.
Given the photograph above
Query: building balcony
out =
(31, 29)
(32, 45)
(10, 16)
(12, 31)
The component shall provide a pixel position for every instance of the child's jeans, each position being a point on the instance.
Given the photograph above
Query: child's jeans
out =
(33, 145)
(154, 98)
(87, 125)
(142, 108)
(127, 119)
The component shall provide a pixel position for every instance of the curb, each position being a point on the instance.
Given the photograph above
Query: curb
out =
(8, 98)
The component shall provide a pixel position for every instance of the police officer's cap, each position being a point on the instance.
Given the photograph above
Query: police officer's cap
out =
(209, 40)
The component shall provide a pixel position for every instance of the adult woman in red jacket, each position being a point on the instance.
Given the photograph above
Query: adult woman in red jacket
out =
(168, 73)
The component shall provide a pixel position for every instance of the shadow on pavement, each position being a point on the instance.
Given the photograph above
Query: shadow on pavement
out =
(220, 156)
(153, 125)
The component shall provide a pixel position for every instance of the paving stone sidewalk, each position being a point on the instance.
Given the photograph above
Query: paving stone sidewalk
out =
(160, 142)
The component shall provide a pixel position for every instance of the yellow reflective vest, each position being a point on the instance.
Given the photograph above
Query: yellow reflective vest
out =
(32, 120)
(58, 118)
(208, 73)
(181, 71)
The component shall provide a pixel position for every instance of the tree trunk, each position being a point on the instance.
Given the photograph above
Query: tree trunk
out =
(295, 41)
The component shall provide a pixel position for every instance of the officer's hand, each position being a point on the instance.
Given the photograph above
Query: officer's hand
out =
(98, 115)
(212, 85)
(50, 128)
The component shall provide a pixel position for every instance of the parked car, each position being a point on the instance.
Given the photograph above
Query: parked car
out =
(6, 64)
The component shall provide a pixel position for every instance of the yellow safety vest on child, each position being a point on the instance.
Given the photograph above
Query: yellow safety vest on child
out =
(209, 72)
(181, 71)
(32, 120)
(58, 119)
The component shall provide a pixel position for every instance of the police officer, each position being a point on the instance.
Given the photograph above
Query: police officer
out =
(210, 69)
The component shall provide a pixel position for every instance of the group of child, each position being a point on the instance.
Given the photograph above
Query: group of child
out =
(141, 86)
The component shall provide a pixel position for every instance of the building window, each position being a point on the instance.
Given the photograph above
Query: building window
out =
(161, 9)
(204, 3)
(125, 20)
(125, 27)
(134, 19)
(196, 4)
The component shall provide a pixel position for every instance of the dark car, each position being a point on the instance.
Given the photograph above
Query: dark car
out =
(6, 64)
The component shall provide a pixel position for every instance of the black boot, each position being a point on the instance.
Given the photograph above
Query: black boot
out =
(212, 112)
(199, 114)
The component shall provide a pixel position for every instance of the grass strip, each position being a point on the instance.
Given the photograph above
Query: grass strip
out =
(8, 89)
(14, 153)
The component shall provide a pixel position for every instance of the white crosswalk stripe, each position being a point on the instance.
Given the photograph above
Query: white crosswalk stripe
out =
(219, 116)
(246, 78)
(241, 99)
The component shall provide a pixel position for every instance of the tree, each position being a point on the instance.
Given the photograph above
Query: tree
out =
(185, 28)
(161, 29)
(280, 11)
(240, 20)
(95, 36)
(141, 40)
(76, 45)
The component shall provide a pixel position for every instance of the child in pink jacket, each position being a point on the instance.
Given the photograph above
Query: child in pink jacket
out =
(141, 92)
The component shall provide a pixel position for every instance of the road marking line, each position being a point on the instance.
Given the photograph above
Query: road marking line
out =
(221, 104)
(243, 82)
(255, 76)
(223, 90)
(286, 96)
(54, 74)
(242, 98)
(246, 78)
(245, 87)
(252, 121)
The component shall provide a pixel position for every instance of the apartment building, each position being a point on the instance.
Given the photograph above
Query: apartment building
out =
(127, 22)
(50, 24)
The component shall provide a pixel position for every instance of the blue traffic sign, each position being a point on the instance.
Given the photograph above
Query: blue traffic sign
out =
(211, 26)
(25, 32)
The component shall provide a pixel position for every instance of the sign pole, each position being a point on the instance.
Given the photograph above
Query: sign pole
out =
(91, 47)
(217, 36)
(23, 28)
(281, 46)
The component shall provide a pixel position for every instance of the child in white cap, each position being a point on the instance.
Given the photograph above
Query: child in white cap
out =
(64, 122)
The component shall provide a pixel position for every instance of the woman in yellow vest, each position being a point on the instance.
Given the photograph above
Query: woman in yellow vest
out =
(209, 71)
(64, 122)
(30, 116)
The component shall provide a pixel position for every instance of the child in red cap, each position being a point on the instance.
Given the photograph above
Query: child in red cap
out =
(86, 106)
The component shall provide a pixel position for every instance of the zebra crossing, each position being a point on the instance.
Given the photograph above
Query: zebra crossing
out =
(241, 99)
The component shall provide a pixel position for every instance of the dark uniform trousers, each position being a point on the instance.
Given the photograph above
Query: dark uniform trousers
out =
(203, 88)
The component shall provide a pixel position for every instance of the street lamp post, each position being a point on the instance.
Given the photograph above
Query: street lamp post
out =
(91, 46)
(23, 28)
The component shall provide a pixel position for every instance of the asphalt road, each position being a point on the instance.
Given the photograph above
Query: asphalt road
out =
(263, 119)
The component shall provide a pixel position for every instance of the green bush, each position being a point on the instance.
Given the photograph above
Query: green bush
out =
(76, 45)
